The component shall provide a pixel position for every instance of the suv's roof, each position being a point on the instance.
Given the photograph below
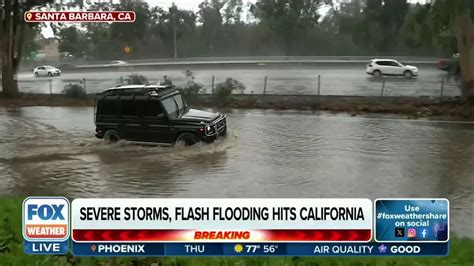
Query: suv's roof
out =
(148, 90)
(383, 59)
(158, 87)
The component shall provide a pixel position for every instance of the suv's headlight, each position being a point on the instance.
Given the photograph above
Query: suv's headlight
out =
(210, 130)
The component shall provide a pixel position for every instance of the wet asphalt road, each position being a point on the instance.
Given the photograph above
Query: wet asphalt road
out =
(334, 79)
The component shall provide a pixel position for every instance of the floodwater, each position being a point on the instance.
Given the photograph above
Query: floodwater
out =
(52, 151)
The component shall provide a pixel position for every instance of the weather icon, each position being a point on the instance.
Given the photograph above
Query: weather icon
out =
(238, 248)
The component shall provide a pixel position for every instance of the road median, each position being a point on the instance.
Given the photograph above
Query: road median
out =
(407, 107)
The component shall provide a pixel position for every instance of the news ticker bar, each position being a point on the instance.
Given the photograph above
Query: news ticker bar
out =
(133, 249)
(259, 249)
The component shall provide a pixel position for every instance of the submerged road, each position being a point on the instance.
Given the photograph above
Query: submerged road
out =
(331, 79)
(52, 151)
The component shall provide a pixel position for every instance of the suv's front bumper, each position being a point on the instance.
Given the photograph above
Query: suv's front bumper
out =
(218, 129)
(221, 133)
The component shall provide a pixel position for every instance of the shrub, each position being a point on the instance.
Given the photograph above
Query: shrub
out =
(136, 79)
(192, 87)
(166, 81)
(222, 94)
(74, 91)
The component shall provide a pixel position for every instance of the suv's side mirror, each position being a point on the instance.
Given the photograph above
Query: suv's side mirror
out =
(162, 115)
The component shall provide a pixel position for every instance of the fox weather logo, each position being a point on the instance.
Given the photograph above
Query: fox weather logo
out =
(46, 225)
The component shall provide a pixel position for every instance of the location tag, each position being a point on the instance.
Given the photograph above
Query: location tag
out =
(28, 16)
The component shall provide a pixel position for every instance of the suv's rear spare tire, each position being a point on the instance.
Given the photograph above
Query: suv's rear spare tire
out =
(186, 139)
(111, 136)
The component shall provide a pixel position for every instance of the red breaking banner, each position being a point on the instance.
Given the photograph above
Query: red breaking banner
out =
(79, 16)
(98, 235)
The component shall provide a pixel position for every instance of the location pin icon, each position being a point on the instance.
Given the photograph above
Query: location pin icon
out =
(93, 248)
(28, 16)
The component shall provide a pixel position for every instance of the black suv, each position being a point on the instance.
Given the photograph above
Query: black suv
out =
(153, 114)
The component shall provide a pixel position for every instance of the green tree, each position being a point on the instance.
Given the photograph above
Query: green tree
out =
(12, 32)
(290, 19)
(417, 28)
(233, 11)
(130, 34)
(454, 19)
(165, 22)
(343, 18)
(381, 24)
(98, 34)
(211, 18)
(30, 44)
(73, 41)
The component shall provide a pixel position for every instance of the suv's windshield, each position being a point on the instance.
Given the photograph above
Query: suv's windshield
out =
(170, 106)
(175, 105)
(180, 102)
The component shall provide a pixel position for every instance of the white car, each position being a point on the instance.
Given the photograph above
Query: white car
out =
(46, 71)
(117, 63)
(390, 67)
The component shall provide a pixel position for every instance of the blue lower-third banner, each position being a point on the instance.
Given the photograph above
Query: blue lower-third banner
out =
(260, 249)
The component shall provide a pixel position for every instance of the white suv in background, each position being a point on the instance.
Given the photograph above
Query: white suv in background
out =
(390, 67)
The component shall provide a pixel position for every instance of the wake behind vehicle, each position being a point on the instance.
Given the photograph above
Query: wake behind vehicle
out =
(390, 67)
(152, 113)
(46, 71)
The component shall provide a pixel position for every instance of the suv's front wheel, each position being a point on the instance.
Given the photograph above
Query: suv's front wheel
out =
(186, 139)
(111, 136)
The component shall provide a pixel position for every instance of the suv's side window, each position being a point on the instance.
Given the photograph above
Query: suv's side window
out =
(105, 107)
(383, 63)
(129, 108)
(152, 109)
